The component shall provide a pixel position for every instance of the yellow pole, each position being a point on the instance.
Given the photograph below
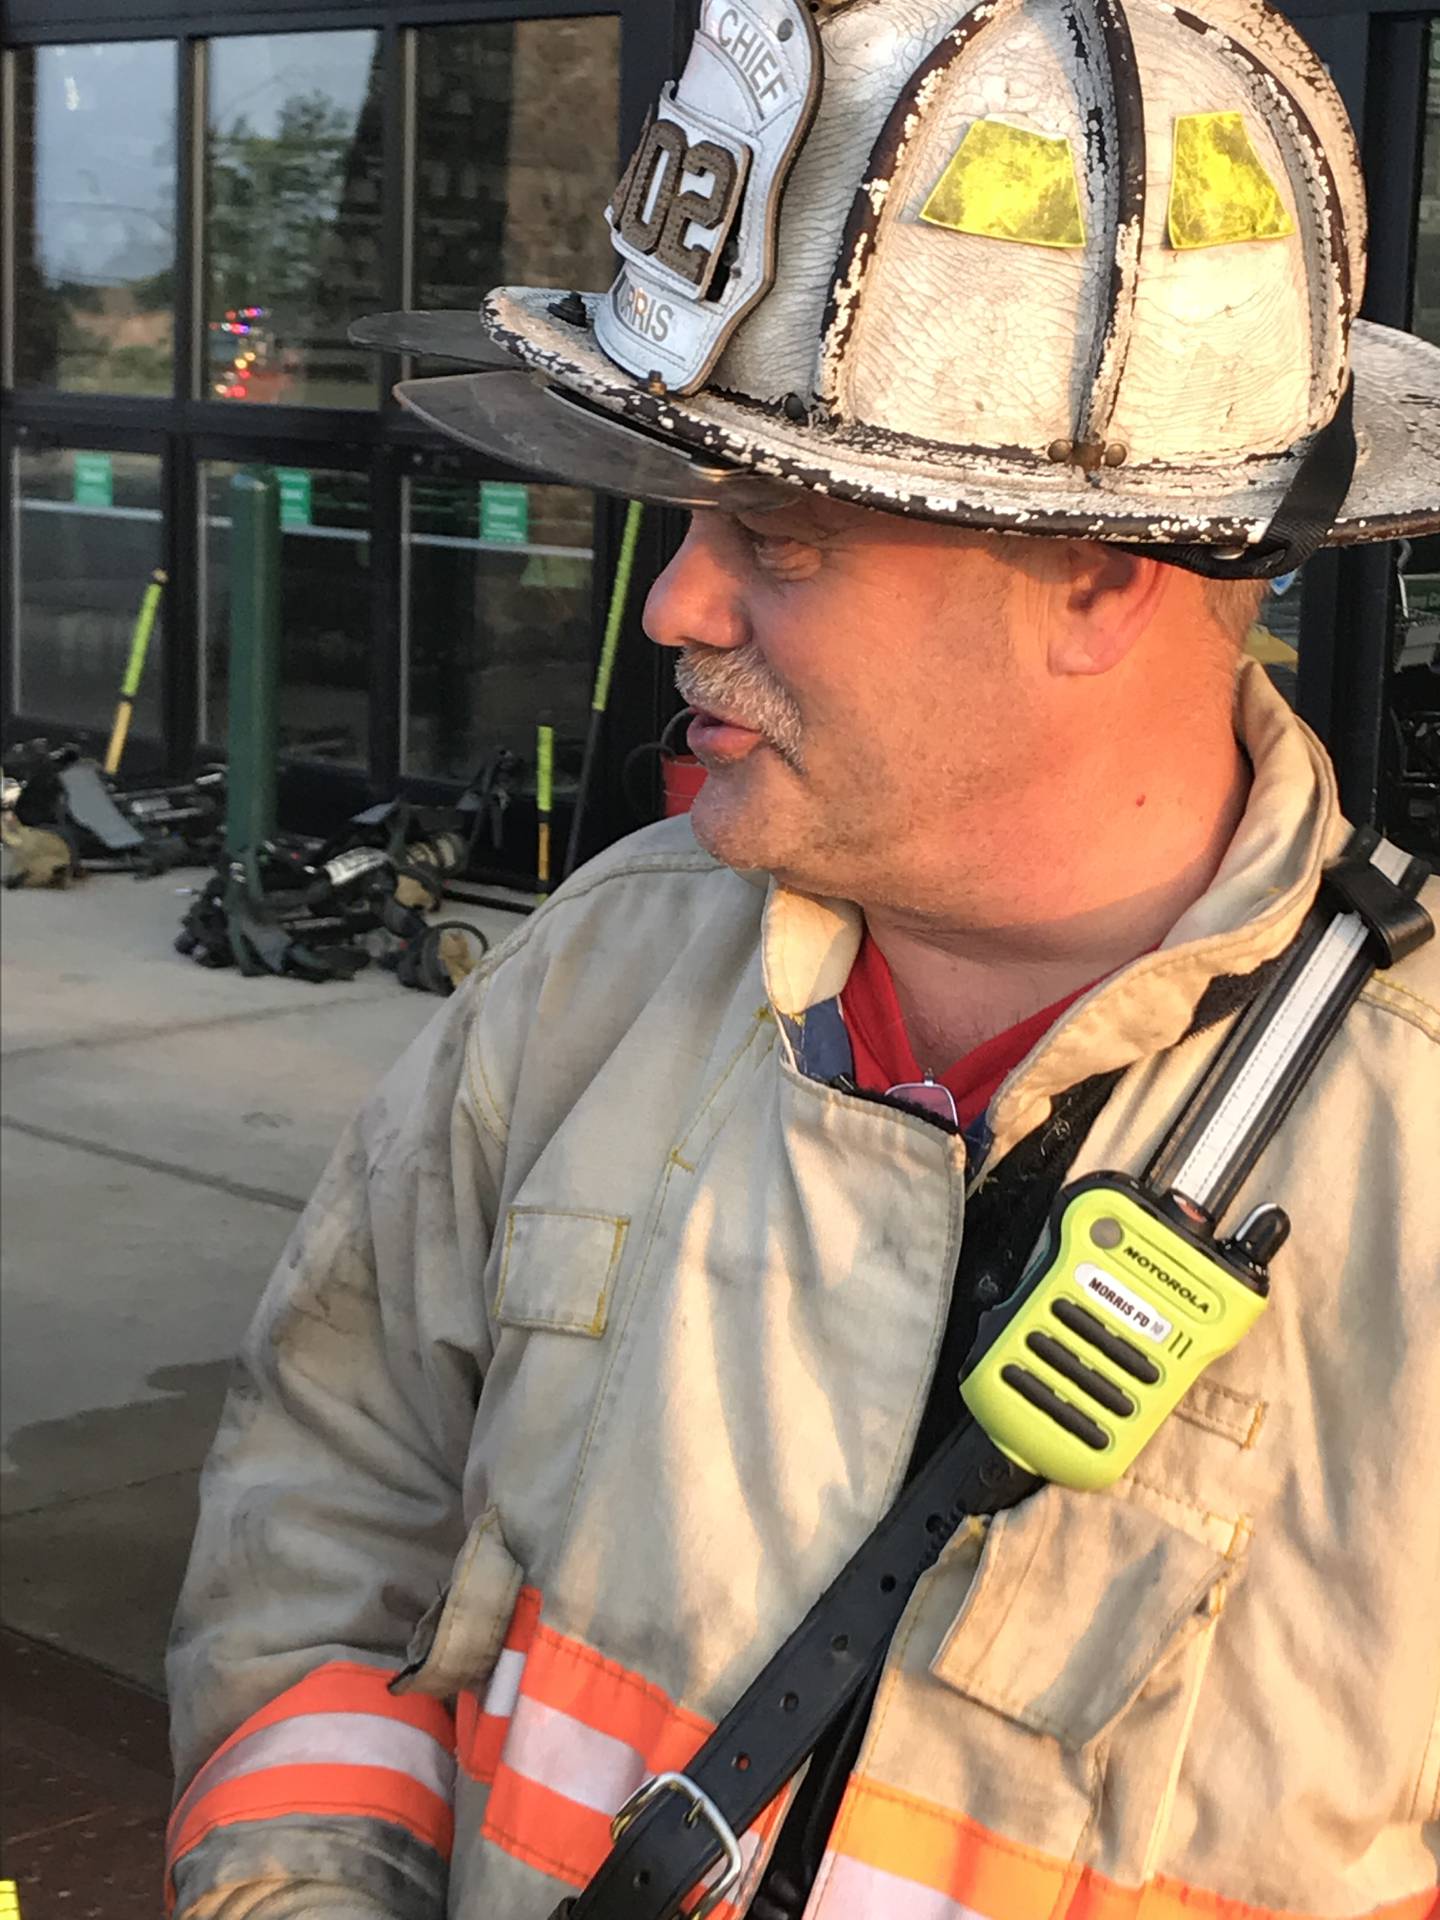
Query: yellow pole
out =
(544, 795)
(130, 685)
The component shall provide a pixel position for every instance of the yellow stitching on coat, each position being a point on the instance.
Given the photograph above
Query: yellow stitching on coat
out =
(1240, 1539)
(1204, 1513)
(1398, 1000)
(558, 1322)
(1244, 1438)
(714, 1093)
(497, 1130)
(1242, 1400)
(570, 1213)
(1164, 1813)
(617, 1347)
(505, 1262)
(474, 1064)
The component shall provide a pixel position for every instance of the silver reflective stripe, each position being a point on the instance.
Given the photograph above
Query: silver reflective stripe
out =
(561, 1753)
(847, 1889)
(1203, 1168)
(330, 1740)
(504, 1687)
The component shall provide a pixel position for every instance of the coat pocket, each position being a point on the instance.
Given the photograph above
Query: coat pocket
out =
(558, 1268)
(458, 1641)
(1079, 1650)
(1076, 1601)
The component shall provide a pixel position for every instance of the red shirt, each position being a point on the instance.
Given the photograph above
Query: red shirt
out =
(884, 1057)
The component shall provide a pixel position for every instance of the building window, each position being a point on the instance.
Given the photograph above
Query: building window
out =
(516, 158)
(89, 539)
(292, 231)
(95, 216)
(325, 596)
(499, 623)
(1414, 739)
(1427, 262)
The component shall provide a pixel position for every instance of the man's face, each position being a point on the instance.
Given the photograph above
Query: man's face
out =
(858, 688)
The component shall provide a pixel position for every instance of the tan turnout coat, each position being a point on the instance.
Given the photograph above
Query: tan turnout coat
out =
(603, 1344)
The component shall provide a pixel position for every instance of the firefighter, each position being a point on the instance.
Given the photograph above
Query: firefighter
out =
(1002, 356)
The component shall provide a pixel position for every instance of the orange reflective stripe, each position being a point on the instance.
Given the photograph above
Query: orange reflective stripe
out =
(573, 1678)
(584, 1734)
(337, 1743)
(547, 1830)
(345, 1686)
(481, 1719)
(936, 1850)
(366, 1793)
(903, 1835)
(520, 1635)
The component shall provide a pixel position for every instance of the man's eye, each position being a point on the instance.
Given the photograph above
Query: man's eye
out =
(780, 554)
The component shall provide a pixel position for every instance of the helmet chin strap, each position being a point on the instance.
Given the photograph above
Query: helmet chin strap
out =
(1301, 521)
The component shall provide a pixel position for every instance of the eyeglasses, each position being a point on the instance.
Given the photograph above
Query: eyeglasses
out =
(929, 1096)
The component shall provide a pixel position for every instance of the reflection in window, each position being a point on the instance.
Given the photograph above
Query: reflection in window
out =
(95, 216)
(514, 156)
(325, 610)
(89, 538)
(293, 216)
(499, 624)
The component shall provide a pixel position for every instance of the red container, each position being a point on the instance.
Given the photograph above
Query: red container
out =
(682, 776)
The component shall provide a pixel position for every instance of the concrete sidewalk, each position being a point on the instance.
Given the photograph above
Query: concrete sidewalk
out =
(162, 1126)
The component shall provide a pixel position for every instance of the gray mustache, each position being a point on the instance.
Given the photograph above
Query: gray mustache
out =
(735, 681)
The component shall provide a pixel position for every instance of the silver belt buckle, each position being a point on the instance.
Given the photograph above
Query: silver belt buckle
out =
(701, 1807)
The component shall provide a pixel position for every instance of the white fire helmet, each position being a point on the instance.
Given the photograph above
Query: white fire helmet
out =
(1073, 267)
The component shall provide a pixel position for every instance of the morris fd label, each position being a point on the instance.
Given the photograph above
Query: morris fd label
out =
(1122, 1304)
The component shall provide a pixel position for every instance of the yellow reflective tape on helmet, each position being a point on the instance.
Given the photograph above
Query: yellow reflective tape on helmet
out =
(1009, 184)
(9, 1900)
(1219, 189)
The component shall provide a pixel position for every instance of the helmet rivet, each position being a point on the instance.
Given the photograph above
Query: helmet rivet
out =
(1088, 455)
(656, 384)
(785, 30)
(572, 309)
(1059, 450)
(1116, 455)
(794, 407)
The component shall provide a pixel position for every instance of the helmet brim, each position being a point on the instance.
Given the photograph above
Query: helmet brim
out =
(579, 418)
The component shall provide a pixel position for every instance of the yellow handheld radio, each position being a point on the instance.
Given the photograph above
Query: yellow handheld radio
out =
(1130, 1295)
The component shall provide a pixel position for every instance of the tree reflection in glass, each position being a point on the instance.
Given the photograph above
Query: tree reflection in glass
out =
(293, 216)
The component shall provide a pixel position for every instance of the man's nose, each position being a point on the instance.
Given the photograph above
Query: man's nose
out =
(696, 600)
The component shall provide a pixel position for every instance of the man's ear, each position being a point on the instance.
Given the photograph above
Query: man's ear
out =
(1108, 598)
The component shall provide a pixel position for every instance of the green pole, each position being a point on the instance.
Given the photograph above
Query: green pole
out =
(134, 670)
(544, 799)
(254, 667)
(600, 698)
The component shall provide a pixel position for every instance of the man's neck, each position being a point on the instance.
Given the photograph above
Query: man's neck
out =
(1111, 893)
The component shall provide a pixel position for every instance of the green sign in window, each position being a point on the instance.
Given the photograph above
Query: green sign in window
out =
(504, 512)
(294, 496)
(94, 480)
